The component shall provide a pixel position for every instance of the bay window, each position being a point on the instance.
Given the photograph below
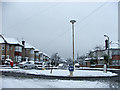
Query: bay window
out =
(18, 48)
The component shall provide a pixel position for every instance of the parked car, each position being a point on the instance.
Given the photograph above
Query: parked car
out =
(27, 64)
(40, 65)
(7, 61)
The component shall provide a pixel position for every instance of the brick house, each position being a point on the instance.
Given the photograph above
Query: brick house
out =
(40, 56)
(115, 57)
(19, 51)
(11, 49)
(98, 55)
(36, 55)
(28, 52)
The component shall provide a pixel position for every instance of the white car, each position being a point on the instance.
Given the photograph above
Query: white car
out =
(40, 65)
(27, 64)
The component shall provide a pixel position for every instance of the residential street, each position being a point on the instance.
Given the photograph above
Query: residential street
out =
(60, 44)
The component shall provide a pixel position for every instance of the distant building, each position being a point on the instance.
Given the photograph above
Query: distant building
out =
(115, 57)
(40, 56)
(96, 58)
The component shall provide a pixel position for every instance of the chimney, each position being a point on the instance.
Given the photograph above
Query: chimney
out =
(23, 43)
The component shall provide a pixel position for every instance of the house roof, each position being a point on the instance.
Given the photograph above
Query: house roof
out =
(36, 50)
(87, 59)
(114, 45)
(100, 57)
(40, 52)
(10, 41)
(27, 45)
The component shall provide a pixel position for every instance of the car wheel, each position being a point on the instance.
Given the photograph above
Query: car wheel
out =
(35, 67)
(25, 67)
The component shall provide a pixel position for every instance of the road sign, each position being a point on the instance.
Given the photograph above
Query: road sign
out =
(71, 68)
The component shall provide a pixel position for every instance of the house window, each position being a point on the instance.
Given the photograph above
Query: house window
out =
(8, 47)
(116, 52)
(116, 62)
(37, 54)
(3, 57)
(32, 59)
(18, 58)
(8, 56)
(32, 51)
(3, 46)
(18, 48)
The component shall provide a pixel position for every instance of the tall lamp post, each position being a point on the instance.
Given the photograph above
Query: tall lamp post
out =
(73, 21)
(108, 48)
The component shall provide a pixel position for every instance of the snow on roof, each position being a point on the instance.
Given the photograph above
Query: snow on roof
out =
(36, 50)
(100, 57)
(27, 45)
(92, 50)
(10, 41)
(61, 64)
(88, 59)
(40, 52)
(13, 41)
(1, 40)
(114, 45)
(2, 37)
(76, 64)
(45, 54)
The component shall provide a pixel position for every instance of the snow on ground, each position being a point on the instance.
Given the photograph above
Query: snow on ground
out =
(97, 68)
(11, 82)
(58, 72)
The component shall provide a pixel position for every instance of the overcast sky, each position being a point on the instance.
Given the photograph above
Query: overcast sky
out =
(47, 25)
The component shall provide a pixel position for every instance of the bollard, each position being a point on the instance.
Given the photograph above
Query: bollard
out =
(105, 68)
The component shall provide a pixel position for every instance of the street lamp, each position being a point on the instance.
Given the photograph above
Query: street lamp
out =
(73, 21)
(108, 49)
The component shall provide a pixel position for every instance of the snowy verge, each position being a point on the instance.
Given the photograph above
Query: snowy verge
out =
(78, 73)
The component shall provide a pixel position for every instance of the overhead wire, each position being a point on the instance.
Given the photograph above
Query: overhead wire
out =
(33, 15)
(88, 24)
(62, 34)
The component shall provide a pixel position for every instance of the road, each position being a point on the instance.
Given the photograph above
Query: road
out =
(17, 82)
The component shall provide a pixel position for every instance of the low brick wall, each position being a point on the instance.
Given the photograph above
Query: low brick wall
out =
(101, 66)
(116, 67)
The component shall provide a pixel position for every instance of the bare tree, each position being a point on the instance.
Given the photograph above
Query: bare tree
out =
(69, 61)
(55, 59)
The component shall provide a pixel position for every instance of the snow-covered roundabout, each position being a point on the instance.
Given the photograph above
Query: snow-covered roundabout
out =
(58, 79)
(77, 73)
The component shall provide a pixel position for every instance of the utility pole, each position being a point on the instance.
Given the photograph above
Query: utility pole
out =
(73, 21)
